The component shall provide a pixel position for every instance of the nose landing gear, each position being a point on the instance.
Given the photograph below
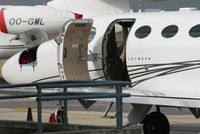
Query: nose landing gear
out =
(58, 115)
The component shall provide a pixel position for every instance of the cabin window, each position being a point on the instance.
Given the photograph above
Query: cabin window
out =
(169, 31)
(143, 32)
(195, 31)
(91, 34)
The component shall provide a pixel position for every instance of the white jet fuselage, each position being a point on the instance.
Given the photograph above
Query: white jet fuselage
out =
(159, 55)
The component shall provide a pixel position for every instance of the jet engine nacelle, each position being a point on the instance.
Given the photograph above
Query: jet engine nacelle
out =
(17, 19)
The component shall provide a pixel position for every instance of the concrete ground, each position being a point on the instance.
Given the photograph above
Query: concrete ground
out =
(83, 117)
(180, 124)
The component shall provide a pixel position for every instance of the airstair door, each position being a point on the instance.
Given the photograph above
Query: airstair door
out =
(73, 50)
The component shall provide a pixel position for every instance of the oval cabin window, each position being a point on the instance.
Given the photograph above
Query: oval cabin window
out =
(195, 31)
(170, 31)
(143, 32)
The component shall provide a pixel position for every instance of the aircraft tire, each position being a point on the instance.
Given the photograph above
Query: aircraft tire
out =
(156, 123)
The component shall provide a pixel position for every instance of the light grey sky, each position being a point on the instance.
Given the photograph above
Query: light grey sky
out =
(145, 4)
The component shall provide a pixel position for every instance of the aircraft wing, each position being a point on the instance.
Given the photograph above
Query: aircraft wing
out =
(148, 97)
(90, 8)
(172, 90)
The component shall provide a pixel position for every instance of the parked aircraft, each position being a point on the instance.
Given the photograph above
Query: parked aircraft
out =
(160, 57)
(20, 30)
(41, 20)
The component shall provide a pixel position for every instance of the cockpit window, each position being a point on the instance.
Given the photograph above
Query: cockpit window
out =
(143, 32)
(169, 31)
(28, 57)
(91, 34)
(195, 31)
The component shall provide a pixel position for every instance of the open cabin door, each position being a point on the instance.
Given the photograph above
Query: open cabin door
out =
(72, 51)
(114, 50)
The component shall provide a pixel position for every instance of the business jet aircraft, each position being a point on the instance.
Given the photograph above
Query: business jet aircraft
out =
(157, 52)
(33, 22)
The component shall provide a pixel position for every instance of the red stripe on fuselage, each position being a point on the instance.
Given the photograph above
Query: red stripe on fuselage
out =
(3, 27)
